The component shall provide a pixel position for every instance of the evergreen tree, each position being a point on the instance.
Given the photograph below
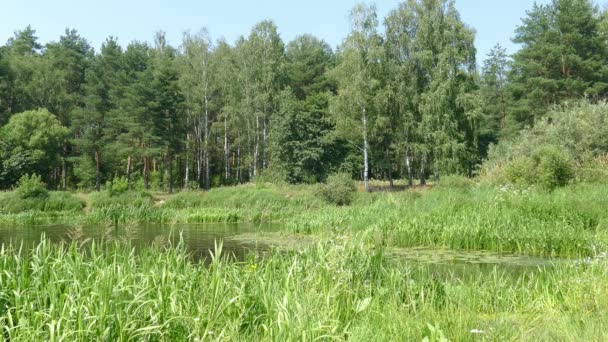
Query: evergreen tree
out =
(563, 56)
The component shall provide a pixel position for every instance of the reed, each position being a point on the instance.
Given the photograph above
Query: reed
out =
(333, 290)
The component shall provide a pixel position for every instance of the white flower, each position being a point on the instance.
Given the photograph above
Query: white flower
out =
(477, 331)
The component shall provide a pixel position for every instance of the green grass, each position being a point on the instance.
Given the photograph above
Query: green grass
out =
(335, 290)
(570, 221)
(11, 203)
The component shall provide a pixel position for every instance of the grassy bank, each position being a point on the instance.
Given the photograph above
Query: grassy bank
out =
(329, 291)
(569, 221)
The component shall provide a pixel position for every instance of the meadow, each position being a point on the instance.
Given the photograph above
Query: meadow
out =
(569, 221)
(344, 284)
(335, 290)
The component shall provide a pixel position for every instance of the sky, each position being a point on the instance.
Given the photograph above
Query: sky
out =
(493, 20)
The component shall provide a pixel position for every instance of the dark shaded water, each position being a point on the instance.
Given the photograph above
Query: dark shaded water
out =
(239, 239)
(199, 239)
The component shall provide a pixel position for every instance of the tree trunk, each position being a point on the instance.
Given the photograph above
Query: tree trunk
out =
(436, 174)
(365, 151)
(64, 173)
(187, 175)
(264, 146)
(199, 155)
(410, 173)
(226, 151)
(389, 169)
(256, 148)
(97, 171)
(147, 173)
(238, 164)
(423, 170)
(170, 161)
(129, 172)
(206, 152)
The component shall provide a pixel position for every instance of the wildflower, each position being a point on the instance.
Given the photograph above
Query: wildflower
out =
(477, 331)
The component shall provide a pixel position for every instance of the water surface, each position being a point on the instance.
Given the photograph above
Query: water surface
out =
(239, 239)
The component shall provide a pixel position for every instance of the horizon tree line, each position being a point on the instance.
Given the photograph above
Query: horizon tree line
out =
(400, 98)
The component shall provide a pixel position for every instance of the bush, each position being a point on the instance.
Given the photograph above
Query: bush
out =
(55, 201)
(554, 167)
(548, 167)
(593, 170)
(31, 187)
(339, 189)
(117, 186)
(521, 171)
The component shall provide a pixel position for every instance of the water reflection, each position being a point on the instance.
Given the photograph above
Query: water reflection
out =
(198, 239)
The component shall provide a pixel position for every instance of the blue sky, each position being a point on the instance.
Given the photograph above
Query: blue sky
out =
(494, 20)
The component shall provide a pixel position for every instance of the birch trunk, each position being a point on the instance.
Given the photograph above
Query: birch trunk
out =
(256, 148)
(97, 171)
(264, 164)
(187, 175)
(365, 150)
(206, 152)
(226, 150)
(410, 173)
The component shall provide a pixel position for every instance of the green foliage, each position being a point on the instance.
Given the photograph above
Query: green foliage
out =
(325, 291)
(106, 199)
(548, 153)
(563, 56)
(31, 187)
(457, 182)
(339, 189)
(548, 167)
(31, 142)
(522, 170)
(54, 202)
(593, 170)
(555, 168)
(118, 186)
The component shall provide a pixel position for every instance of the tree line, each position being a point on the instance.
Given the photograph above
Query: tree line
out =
(400, 98)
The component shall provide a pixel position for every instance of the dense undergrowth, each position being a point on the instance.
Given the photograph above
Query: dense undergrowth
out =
(336, 290)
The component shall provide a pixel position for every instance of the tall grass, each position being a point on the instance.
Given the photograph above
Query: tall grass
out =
(567, 222)
(330, 291)
(570, 221)
(11, 203)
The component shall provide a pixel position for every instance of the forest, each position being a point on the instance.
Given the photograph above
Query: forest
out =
(402, 97)
(393, 188)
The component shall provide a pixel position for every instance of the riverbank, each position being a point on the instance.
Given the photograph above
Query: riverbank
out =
(567, 222)
(328, 290)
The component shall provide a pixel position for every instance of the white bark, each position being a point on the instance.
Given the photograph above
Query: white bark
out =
(365, 150)
(226, 149)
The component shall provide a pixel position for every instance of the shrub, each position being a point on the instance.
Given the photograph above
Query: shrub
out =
(55, 201)
(548, 167)
(31, 187)
(339, 189)
(117, 186)
(521, 171)
(593, 170)
(554, 167)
